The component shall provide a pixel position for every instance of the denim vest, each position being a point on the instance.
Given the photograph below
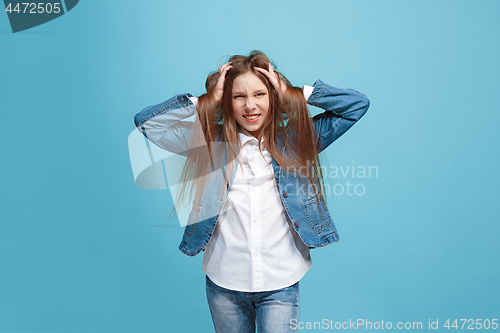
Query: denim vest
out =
(162, 124)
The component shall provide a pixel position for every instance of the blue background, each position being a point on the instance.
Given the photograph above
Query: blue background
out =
(83, 249)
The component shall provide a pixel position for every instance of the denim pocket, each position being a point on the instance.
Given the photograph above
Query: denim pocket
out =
(316, 220)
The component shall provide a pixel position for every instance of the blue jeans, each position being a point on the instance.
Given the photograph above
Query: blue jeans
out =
(237, 312)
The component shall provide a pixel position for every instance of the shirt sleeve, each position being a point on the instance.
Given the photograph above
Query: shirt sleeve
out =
(194, 100)
(307, 91)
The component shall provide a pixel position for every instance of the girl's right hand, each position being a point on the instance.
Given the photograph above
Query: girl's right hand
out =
(219, 86)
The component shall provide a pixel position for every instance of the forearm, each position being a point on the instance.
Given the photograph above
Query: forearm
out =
(345, 103)
(164, 124)
(343, 108)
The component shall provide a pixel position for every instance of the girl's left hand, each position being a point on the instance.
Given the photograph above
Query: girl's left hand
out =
(275, 80)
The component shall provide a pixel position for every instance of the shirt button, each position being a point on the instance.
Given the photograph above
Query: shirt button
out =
(254, 220)
(255, 254)
(285, 194)
(297, 224)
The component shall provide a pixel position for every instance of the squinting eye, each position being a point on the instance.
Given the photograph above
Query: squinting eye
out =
(237, 96)
(261, 94)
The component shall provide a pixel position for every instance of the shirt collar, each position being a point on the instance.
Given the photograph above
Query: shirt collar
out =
(245, 137)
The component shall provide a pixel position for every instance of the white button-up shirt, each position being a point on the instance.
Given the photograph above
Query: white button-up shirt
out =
(254, 247)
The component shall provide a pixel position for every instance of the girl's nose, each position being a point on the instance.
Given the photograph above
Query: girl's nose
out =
(250, 103)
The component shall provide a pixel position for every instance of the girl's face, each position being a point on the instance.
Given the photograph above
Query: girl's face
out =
(250, 101)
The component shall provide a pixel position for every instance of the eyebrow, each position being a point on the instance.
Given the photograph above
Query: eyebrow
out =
(255, 92)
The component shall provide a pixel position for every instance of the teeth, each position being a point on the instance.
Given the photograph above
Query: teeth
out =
(251, 117)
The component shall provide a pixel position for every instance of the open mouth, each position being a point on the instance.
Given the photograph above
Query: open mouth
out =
(252, 117)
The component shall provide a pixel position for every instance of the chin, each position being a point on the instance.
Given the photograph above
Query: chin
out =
(253, 129)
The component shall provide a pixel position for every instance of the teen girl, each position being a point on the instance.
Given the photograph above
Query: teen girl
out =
(253, 169)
